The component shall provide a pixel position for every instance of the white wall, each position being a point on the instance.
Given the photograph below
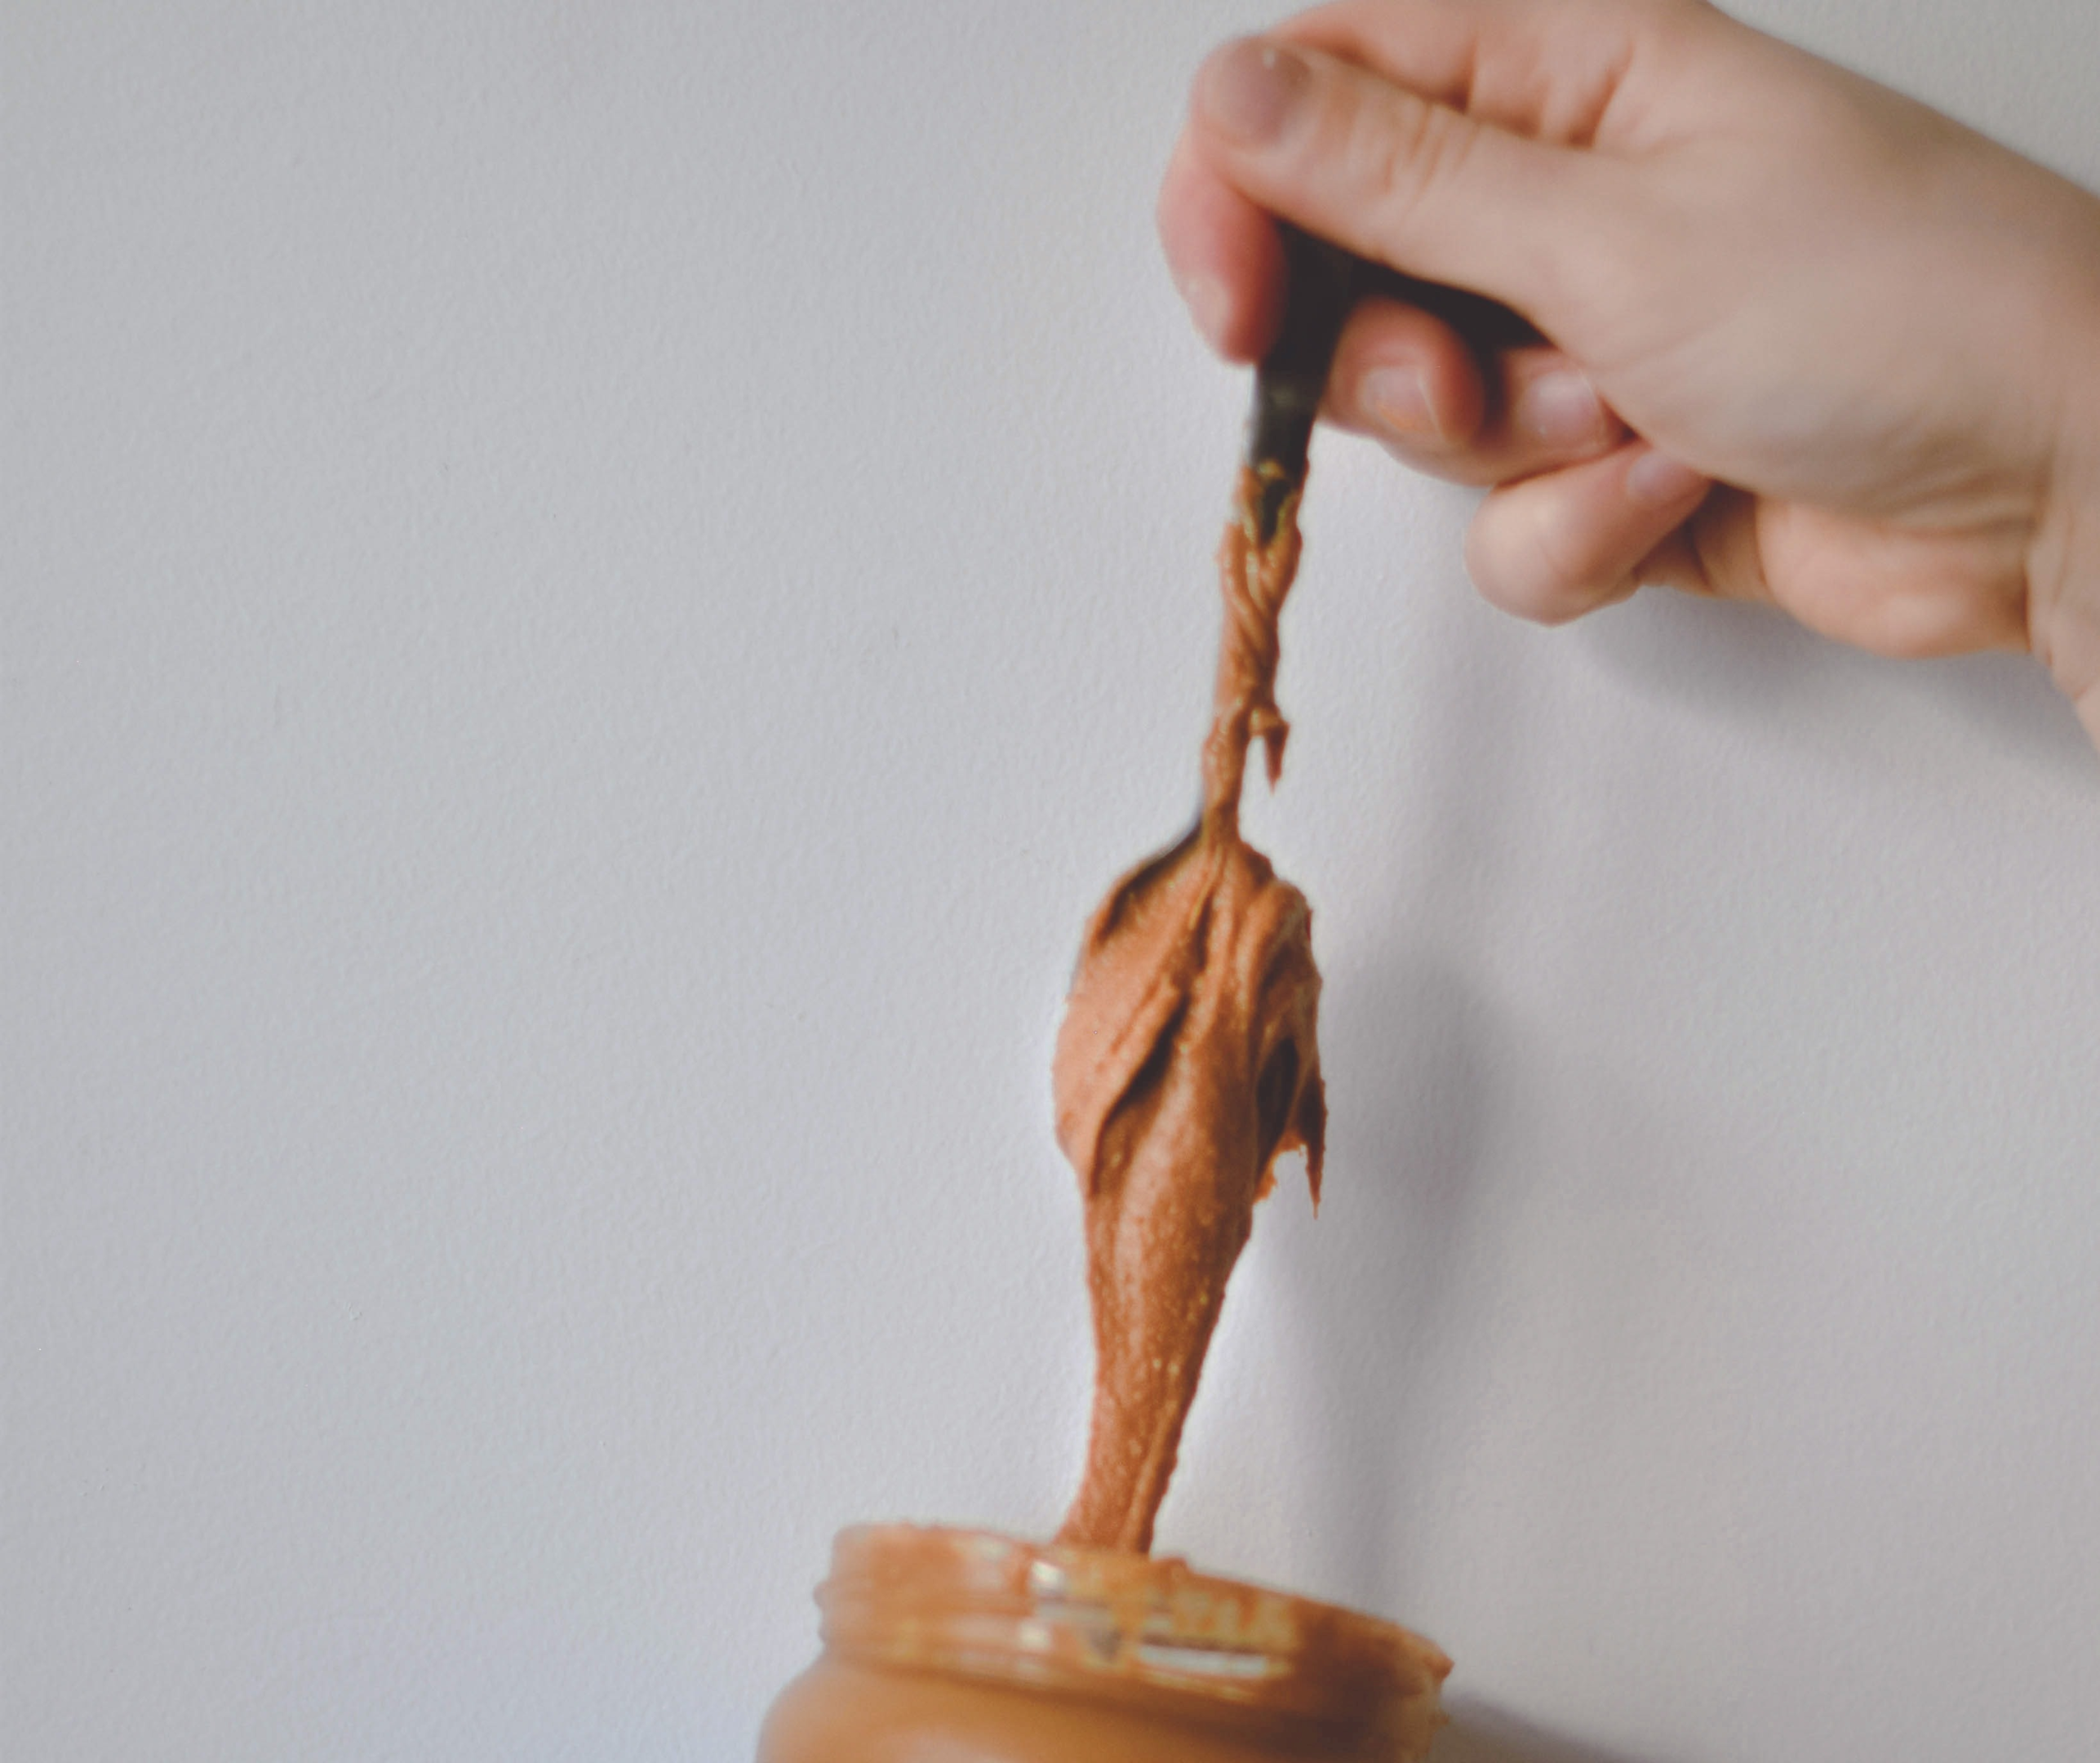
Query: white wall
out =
(592, 591)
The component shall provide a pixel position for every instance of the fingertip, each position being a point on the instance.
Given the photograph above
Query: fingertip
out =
(1249, 90)
(1406, 378)
(1552, 548)
(1224, 256)
(1658, 482)
(1552, 412)
(1513, 579)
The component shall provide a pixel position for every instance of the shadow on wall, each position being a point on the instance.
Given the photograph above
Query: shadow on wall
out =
(1433, 1071)
(1479, 1734)
(1755, 666)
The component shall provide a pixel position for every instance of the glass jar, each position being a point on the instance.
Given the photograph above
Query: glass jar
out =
(960, 1646)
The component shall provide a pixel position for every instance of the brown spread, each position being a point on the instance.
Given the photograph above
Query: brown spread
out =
(1186, 1064)
(945, 1643)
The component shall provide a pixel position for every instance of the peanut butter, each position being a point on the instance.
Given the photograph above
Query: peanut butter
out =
(1187, 1063)
(943, 1644)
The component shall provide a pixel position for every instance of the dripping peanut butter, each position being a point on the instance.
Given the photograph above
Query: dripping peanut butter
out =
(1189, 1061)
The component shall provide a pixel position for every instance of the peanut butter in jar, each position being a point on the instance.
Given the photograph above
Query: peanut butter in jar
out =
(941, 1644)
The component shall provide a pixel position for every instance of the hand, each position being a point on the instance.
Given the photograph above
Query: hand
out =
(1807, 342)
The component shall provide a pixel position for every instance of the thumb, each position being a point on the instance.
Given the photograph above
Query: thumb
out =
(1393, 177)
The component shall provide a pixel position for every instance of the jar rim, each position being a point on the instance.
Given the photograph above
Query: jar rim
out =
(1111, 1624)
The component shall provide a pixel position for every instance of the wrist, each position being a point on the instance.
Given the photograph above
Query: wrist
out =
(2064, 573)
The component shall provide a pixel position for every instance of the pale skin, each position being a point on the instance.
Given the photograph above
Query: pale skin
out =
(1807, 342)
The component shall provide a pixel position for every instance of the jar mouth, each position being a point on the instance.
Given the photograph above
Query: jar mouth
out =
(1132, 1628)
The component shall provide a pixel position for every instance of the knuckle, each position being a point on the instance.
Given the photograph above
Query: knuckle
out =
(1399, 152)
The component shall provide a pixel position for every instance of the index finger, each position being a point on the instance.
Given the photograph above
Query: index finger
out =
(1224, 255)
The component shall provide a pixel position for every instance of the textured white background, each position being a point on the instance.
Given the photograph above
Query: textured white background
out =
(591, 592)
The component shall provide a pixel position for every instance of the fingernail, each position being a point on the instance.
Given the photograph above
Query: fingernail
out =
(1397, 400)
(1656, 481)
(1560, 409)
(1248, 89)
(1209, 305)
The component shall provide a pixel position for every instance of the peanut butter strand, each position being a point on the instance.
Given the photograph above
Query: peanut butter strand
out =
(1186, 1064)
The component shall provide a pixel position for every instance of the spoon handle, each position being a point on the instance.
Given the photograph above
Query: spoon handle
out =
(1323, 280)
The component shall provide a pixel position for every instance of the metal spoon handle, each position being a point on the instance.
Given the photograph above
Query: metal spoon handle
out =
(1323, 281)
